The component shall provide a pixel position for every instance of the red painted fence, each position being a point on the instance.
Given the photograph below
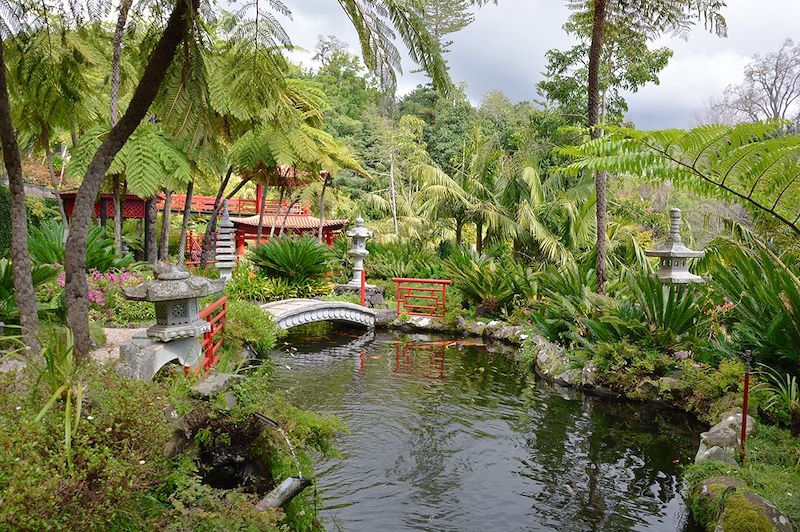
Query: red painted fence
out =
(215, 314)
(429, 299)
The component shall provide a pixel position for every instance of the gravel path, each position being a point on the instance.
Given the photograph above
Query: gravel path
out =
(114, 337)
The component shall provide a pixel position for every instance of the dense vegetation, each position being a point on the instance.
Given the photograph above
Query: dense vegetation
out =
(539, 212)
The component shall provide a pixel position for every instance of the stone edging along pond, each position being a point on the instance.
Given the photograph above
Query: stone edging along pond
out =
(717, 502)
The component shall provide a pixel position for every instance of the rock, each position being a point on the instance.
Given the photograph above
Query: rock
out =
(550, 358)
(229, 399)
(676, 387)
(715, 453)
(384, 317)
(733, 419)
(589, 373)
(681, 355)
(214, 383)
(506, 333)
(11, 364)
(746, 510)
(373, 295)
(725, 437)
(492, 327)
(647, 389)
(571, 377)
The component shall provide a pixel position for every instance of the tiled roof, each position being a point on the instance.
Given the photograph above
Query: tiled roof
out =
(292, 222)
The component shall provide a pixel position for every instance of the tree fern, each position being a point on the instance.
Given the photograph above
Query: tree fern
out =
(756, 164)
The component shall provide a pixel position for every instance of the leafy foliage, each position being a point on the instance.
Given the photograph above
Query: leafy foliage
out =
(8, 305)
(752, 163)
(293, 259)
(46, 246)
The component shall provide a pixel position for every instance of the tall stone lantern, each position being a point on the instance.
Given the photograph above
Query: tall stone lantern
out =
(226, 246)
(674, 256)
(373, 295)
(178, 328)
(358, 251)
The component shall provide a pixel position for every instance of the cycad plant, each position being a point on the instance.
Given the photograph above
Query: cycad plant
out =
(765, 294)
(294, 259)
(784, 391)
(481, 281)
(46, 247)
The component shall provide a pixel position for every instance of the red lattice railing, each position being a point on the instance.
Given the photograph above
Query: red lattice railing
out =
(215, 314)
(429, 299)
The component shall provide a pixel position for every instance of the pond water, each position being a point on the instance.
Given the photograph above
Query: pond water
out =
(453, 437)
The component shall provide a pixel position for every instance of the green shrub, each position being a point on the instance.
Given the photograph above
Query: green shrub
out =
(293, 259)
(246, 323)
(46, 246)
(402, 259)
(248, 286)
(8, 305)
(765, 294)
(623, 366)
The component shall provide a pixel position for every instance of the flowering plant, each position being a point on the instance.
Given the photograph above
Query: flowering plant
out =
(107, 303)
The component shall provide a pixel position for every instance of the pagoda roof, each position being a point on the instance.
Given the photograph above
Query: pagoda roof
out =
(293, 221)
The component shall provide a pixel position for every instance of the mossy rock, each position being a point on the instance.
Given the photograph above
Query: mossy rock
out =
(746, 511)
(707, 499)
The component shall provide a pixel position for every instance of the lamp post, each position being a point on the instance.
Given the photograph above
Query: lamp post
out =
(359, 234)
(674, 255)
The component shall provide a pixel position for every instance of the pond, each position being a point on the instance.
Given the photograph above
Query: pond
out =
(445, 435)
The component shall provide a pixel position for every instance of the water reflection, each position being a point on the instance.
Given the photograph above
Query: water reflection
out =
(446, 436)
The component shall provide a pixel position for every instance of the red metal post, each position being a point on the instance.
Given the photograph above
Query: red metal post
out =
(363, 287)
(743, 437)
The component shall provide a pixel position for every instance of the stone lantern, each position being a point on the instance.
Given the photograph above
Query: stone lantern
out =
(373, 294)
(226, 246)
(178, 327)
(674, 256)
(358, 251)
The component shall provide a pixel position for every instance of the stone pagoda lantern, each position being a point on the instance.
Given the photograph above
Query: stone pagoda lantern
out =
(358, 251)
(178, 327)
(373, 294)
(226, 245)
(674, 256)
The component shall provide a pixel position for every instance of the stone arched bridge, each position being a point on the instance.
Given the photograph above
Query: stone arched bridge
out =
(290, 313)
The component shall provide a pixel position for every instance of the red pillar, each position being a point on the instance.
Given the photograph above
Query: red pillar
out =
(240, 246)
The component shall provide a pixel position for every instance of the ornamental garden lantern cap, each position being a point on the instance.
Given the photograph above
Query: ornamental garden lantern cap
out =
(674, 256)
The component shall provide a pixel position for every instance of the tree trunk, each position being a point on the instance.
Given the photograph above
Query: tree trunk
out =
(150, 230)
(393, 194)
(262, 205)
(163, 249)
(459, 230)
(598, 27)
(277, 212)
(76, 291)
(286, 216)
(795, 426)
(322, 208)
(187, 212)
(115, 185)
(53, 181)
(20, 259)
(479, 236)
(211, 226)
(116, 58)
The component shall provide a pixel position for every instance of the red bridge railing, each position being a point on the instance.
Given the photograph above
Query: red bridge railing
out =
(212, 340)
(429, 299)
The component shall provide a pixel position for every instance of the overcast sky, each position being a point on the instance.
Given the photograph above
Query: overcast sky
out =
(504, 49)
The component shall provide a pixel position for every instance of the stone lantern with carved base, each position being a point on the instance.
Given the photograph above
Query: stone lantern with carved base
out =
(178, 327)
(373, 294)
(674, 256)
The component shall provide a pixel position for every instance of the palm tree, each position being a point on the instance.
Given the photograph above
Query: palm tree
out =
(651, 18)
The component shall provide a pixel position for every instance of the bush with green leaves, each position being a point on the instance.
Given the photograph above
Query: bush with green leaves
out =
(247, 324)
(46, 244)
(765, 295)
(623, 366)
(41, 275)
(293, 259)
(402, 258)
(249, 286)
(783, 396)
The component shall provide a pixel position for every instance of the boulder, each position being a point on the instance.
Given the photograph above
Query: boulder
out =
(676, 387)
(715, 453)
(550, 358)
(647, 389)
(383, 317)
(746, 510)
(214, 384)
(507, 333)
(589, 374)
(571, 377)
